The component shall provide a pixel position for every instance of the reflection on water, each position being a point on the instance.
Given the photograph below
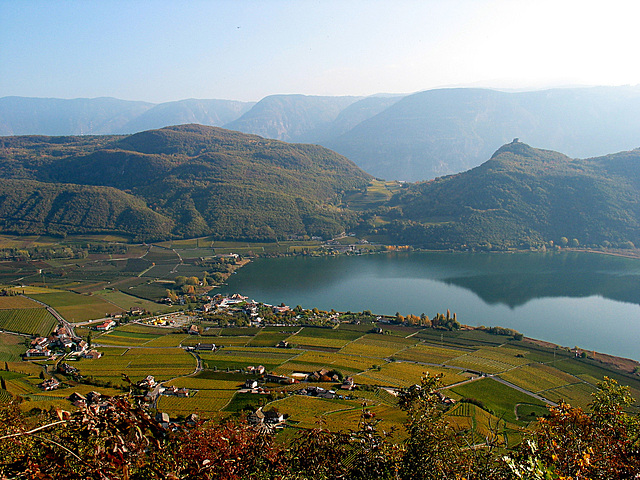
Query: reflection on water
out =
(569, 298)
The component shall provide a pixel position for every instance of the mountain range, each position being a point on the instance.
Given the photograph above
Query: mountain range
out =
(193, 180)
(411, 138)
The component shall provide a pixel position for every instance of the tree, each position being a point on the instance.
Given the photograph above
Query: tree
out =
(601, 444)
(431, 452)
(3, 383)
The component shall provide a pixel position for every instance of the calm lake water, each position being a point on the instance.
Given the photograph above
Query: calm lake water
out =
(569, 298)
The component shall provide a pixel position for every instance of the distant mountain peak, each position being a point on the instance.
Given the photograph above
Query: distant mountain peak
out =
(528, 154)
(515, 147)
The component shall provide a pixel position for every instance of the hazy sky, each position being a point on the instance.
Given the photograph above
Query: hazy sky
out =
(159, 50)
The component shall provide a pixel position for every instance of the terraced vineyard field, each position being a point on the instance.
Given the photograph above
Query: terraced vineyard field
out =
(17, 302)
(137, 363)
(31, 321)
(11, 347)
(77, 308)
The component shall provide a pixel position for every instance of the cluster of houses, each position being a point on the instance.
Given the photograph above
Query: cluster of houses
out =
(154, 389)
(222, 302)
(50, 384)
(271, 418)
(165, 422)
(252, 385)
(67, 369)
(313, 391)
(61, 339)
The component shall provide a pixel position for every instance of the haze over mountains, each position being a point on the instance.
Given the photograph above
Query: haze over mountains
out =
(413, 137)
(106, 116)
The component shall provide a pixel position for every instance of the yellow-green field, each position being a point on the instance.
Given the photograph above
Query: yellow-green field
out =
(137, 363)
(403, 374)
(75, 307)
(379, 346)
(16, 302)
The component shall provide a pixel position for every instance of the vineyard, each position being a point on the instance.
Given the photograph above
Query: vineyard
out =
(31, 321)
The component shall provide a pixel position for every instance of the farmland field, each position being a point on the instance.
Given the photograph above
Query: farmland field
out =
(11, 346)
(578, 395)
(538, 378)
(137, 363)
(16, 302)
(403, 374)
(32, 321)
(237, 359)
(126, 302)
(478, 362)
(204, 403)
(77, 308)
(308, 410)
(122, 338)
(429, 354)
(498, 398)
(380, 346)
(301, 340)
(267, 339)
(340, 334)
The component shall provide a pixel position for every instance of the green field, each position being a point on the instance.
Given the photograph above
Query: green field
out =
(77, 308)
(429, 354)
(380, 346)
(539, 378)
(17, 302)
(403, 374)
(499, 399)
(127, 302)
(32, 321)
(11, 347)
(137, 363)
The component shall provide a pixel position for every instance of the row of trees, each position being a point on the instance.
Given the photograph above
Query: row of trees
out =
(121, 441)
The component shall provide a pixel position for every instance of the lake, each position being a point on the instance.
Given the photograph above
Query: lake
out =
(569, 298)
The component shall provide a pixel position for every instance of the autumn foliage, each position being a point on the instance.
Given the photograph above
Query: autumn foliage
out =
(117, 439)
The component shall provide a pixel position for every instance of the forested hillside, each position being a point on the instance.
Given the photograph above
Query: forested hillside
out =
(196, 180)
(525, 197)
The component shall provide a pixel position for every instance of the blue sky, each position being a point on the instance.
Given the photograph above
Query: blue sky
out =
(160, 51)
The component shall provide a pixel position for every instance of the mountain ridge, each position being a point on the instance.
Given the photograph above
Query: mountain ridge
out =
(525, 197)
(200, 180)
(412, 137)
